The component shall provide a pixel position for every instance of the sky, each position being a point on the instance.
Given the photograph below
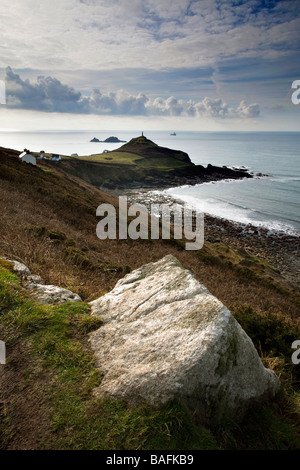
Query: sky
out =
(152, 64)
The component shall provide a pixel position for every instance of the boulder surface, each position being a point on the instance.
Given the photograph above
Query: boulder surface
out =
(165, 336)
(49, 294)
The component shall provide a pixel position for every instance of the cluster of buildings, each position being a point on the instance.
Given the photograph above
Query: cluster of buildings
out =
(28, 157)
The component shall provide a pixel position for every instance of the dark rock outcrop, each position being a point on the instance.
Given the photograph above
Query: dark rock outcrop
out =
(112, 140)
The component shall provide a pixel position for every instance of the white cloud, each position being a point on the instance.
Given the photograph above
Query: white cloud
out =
(49, 94)
(120, 102)
(210, 108)
(251, 111)
(107, 34)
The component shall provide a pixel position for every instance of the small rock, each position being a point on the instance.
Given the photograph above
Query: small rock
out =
(49, 294)
(45, 294)
(19, 268)
(32, 281)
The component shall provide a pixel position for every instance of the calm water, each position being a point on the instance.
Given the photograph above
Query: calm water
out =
(271, 201)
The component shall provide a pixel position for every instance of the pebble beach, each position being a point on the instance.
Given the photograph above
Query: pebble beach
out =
(279, 249)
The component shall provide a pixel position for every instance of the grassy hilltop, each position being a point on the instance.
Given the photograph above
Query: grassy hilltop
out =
(48, 221)
(142, 152)
(141, 162)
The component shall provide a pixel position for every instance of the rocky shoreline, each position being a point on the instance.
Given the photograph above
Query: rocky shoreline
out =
(279, 249)
(190, 175)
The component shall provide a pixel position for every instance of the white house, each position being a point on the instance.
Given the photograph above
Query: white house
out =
(28, 158)
(55, 158)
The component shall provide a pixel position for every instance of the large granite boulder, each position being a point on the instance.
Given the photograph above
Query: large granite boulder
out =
(164, 336)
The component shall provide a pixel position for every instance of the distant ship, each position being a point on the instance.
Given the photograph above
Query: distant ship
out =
(173, 133)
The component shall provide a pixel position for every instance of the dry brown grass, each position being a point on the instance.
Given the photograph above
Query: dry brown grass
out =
(35, 204)
(48, 222)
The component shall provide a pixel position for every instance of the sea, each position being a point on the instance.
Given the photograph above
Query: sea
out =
(270, 201)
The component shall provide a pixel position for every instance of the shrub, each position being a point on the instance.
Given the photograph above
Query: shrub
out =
(271, 333)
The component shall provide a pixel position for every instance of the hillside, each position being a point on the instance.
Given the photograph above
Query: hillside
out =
(148, 149)
(48, 221)
(142, 163)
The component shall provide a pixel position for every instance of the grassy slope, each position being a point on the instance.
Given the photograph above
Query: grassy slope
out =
(139, 159)
(145, 154)
(52, 339)
(140, 162)
(48, 222)
(132, 159)
(148, 150)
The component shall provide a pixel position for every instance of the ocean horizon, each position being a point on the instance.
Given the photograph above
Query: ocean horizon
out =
(270, 201)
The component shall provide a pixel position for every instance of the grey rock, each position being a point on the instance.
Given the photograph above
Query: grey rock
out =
(19, 268)
(45, 294)
(165, 336)
(32, 280)
(49, 294)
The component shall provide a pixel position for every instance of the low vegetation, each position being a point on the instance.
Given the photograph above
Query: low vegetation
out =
(138, 160)
(48, 222)
(58, 368)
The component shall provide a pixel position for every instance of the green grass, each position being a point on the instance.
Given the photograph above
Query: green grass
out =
(272, 335)
(53, 339)
(264, 429)
(54, 335)
(133, 159)
(246, 266)
(112, 158)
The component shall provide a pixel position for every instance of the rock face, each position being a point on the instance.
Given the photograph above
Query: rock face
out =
(45, 294)
(166, 337)
(19, 268)
(111, 139)
(49, 294)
